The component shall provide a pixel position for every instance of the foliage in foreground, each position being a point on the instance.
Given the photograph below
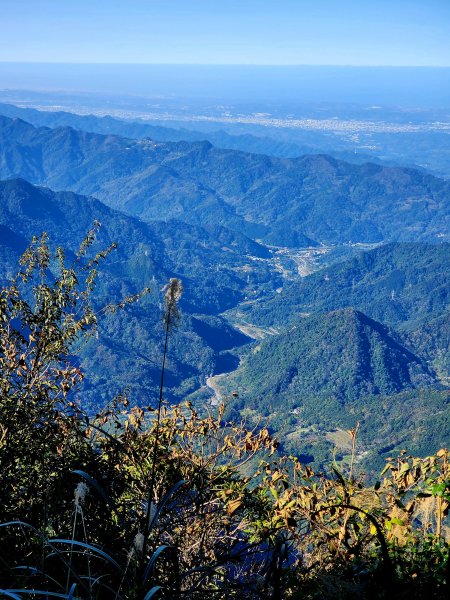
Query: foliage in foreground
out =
(134, 504)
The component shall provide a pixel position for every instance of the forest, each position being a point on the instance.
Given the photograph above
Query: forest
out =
(163, 501)
(224, 300)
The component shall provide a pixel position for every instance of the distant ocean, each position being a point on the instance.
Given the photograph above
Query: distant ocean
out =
(402, 86)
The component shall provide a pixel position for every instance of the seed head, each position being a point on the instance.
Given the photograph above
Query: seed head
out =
(139, 543)
(80, 494)
(173, 291)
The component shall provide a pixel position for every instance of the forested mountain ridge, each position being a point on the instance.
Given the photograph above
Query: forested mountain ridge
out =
(139, 129)
(28, 210)
(342, 354)
(147, 255)
(327, 372)
(425, 150)
(398, 284)
(200, 212)
(247, 142)
(338, 366)
(324, 200)
(432, 341)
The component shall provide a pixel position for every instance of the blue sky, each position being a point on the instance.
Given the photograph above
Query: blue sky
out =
(308, 32)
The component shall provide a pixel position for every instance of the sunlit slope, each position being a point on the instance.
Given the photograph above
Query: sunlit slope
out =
(293, 202)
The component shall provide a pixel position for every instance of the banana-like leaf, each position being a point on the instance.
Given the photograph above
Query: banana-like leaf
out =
(10, 594)
(23, 524)
(152, 592)
(152, 561)
(162, 504)
(92, 549)
(35, 571)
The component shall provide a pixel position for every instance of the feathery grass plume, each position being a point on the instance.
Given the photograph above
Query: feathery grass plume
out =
(138, 543)
(81, 491)
(173, 290)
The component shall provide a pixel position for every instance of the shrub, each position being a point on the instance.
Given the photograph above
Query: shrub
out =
(169, 503)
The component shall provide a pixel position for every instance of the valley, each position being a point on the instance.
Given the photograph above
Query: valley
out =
(241, 390)
(225, 300)
(307, 325)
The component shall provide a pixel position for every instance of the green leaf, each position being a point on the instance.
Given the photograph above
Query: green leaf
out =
(152, 592)
(152, 561)
(438, 489)
(91, 548)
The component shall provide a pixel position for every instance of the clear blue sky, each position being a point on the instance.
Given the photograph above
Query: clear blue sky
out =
(314, 32)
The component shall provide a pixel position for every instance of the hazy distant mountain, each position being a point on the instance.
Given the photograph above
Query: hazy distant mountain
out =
(292, 202)
(272, 143)
(138, 129)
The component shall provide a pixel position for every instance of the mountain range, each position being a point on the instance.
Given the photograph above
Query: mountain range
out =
(354, 341)
(425, 148)
(323, 200)
(342, 355)
(146, 256)
(322, 363)
(138, 129)
(397, 283)
(327, 372)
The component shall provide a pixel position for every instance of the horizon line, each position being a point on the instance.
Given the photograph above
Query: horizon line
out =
(180, 64)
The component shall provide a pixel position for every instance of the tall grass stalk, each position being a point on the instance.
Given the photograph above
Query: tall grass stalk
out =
(80, 493)
(173, 293)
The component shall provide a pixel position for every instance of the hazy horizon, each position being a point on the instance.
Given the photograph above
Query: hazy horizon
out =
(222, 64)
(400, 86)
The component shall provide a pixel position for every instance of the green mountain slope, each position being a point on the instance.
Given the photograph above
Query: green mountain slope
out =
(199, 213)
(432, 341)
(329, 372)
(397, 284)
(147, 255)
(339, 357)
(322, 199)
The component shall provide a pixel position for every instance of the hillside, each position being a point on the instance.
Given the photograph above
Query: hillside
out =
(422, 149)
(327, 373)
(324, 200)
(339, 357)
(259, 143)
(397, 284)
(147, 255)
(196, 212)
(432, 341)
(139, 129)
